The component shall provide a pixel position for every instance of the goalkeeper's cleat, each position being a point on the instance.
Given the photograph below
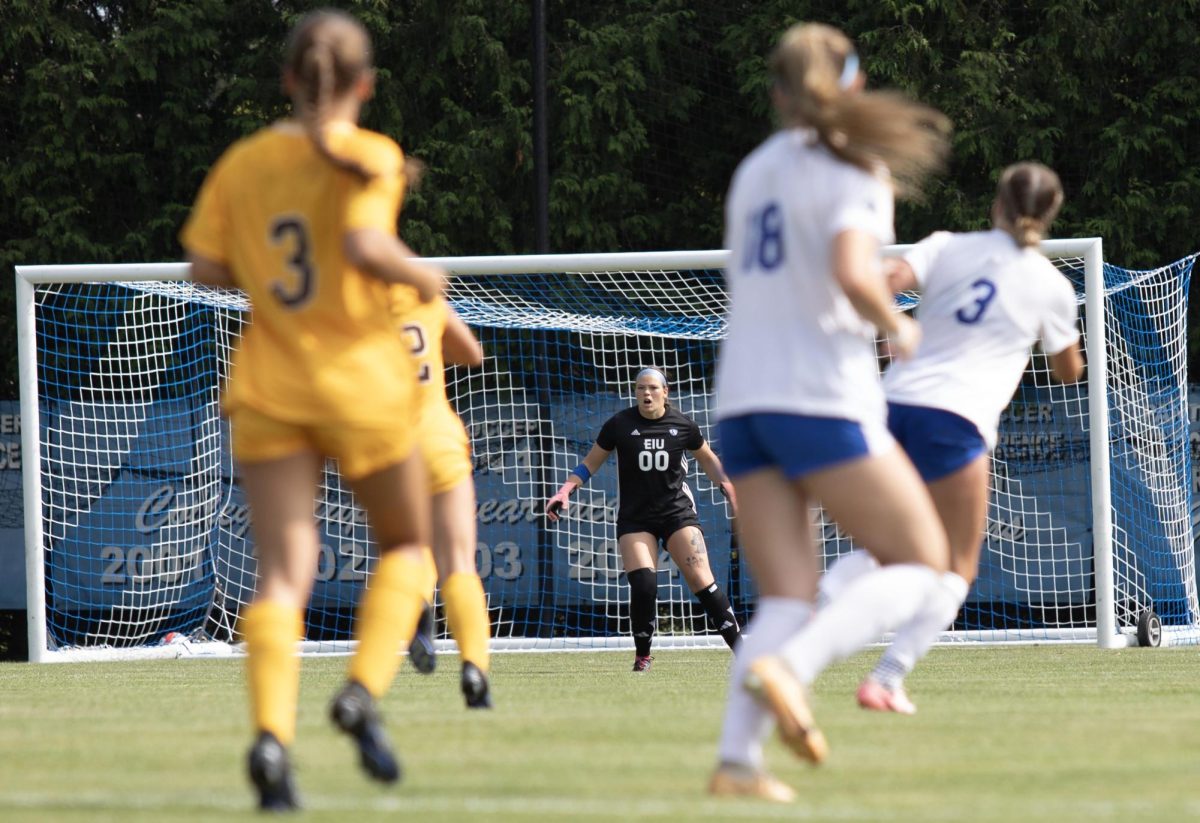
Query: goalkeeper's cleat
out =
(271, 774)
(736, 780)
(475, 688)
(353, 711)
(877, 697)
(641, 663)
(421, 651)
(776, 688)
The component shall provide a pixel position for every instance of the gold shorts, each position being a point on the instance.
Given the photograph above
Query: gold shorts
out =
(360, 450)
(443, 444)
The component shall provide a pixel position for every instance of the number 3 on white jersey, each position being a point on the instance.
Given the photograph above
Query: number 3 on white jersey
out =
(983, 290)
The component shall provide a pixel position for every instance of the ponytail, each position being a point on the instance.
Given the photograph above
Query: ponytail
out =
(1028, 197)
(814, 67)
(328, 53)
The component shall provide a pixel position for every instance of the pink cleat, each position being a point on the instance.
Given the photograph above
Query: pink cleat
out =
(641, 663)
(877, 697)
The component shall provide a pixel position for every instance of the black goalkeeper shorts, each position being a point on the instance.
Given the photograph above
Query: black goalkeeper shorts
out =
(661, 529)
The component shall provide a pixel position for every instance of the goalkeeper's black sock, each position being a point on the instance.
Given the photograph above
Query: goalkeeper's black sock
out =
(720, 613)
(643, 607)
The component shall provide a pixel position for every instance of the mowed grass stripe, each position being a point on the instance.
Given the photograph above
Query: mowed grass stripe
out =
(1030, 732)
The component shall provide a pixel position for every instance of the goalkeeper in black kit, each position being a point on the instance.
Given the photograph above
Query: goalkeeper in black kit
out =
(651, 440)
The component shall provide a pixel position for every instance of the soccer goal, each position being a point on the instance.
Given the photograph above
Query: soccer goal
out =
(137, 530)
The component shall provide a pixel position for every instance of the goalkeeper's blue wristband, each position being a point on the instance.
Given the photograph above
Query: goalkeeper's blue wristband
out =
(581, 471)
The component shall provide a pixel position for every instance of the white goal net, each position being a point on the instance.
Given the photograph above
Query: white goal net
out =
(137, 528)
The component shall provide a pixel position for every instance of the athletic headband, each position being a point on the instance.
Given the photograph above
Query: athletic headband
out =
(849, 71)
(662, 378)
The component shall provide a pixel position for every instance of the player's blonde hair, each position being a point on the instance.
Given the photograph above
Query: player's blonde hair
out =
(814, 66)
(328, 52)
(1028, 197)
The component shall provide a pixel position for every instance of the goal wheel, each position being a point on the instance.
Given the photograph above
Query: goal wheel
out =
(1149, 629)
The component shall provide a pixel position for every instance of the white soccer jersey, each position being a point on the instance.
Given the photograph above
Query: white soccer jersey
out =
(984, 302)
(795, 344)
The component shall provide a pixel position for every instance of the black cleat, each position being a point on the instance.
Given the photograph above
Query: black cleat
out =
(421, 651)
(353, 711)
(475, 687)
(271, 774)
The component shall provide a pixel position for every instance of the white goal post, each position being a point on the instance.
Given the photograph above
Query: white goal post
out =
(136, 529)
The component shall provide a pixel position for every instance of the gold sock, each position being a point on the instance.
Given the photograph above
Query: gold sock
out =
(387, 618)
(271, 630)
(467, 614)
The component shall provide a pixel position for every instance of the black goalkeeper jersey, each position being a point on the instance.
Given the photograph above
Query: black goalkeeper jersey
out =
(651, 464)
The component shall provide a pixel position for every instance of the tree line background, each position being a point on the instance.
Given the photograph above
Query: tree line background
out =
(112, 111)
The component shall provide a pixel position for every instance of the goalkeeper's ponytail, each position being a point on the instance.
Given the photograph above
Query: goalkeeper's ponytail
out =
(328, 53)
(818, 85)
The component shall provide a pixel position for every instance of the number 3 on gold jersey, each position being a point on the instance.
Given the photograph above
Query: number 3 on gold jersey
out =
(300, 261)
(417, 334)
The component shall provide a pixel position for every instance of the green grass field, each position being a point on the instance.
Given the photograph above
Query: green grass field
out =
(1025, 733)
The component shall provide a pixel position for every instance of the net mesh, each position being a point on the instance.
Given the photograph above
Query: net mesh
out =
(145, 528)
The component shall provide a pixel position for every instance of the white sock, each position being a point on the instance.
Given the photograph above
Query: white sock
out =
(746, 725)
(913, 638)
(844, 571)
(875, 603)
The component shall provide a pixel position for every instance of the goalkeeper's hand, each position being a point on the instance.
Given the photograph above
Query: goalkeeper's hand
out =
(730, 495)
(557, 504)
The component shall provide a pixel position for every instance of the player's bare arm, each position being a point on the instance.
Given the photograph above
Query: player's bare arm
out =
(711, 465)
(211, 273)
(459, 345)
(386, 257)
(1067, 365)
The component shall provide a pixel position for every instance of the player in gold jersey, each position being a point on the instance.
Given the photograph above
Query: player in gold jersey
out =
(438, 336)
(301, 215)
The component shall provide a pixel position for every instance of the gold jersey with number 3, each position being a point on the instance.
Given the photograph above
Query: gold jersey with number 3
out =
(321, 347)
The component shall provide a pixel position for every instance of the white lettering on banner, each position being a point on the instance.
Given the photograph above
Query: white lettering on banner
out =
(156, 566)
(159, 510)
(512, 510)
(508, 456)
(600, 561)
(593, 562)
(1028, 413)
(10, 424)
(10, 456)
(490, 429)
(346, 516)
(508, 511)
(349, 564)
(594, 512)
(1006, 531)
(499, 445)
(503, 560)
(1042, 446)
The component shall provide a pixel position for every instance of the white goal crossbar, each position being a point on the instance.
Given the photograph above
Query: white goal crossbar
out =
(1120, 593)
